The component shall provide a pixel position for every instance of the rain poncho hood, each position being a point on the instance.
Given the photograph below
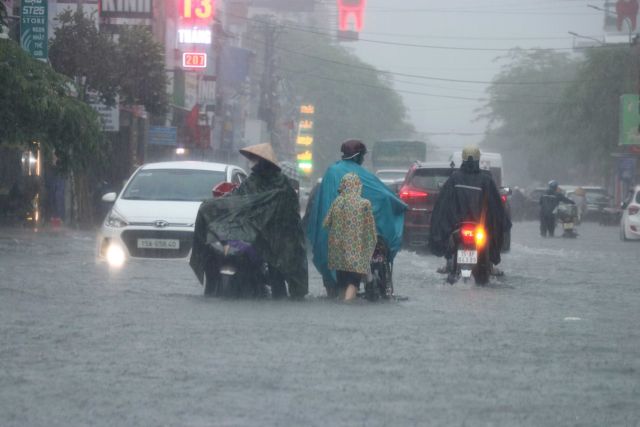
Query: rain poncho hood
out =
(469, 195)
(352, 228)
(388, 211)
(263, 211)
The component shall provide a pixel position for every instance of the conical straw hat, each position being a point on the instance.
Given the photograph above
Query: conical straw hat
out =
(264, 151)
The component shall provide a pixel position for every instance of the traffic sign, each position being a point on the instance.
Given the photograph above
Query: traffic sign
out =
(33, 28)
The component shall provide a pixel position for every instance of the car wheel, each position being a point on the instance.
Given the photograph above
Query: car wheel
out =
(623, 232)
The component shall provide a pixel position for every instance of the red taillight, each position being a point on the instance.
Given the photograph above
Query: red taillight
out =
(468, 235)
(473, 235)
(504, 198)
(633, 210)
(412, 194)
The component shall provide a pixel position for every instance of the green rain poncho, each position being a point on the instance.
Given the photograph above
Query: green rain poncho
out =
(263, 211)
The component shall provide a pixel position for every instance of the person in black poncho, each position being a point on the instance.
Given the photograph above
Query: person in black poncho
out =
(469, 194)
(266, 212)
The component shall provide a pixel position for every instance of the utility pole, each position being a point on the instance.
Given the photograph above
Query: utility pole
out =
(268, 108)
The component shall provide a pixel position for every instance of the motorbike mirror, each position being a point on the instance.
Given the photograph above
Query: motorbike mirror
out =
(223, 188)
(109, 197)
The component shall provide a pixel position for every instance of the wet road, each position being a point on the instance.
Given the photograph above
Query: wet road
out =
(554, 343)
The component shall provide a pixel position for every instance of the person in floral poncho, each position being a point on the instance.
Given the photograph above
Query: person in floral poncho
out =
(352, 236)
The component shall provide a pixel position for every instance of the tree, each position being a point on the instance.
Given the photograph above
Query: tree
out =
(352, 98)
(37, 106)
(80, 51)
(143, 80)
(566, 125)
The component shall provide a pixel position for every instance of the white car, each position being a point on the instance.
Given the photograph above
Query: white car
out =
(154, 214)
(630, 222)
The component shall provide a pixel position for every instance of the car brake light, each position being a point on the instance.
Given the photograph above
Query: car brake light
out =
(408, 194)
(633, 210)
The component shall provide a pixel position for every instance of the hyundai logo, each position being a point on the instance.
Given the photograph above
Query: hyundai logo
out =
(160, 224)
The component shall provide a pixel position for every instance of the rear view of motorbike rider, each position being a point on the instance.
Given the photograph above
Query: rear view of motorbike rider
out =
(470, 194)
(549, 201)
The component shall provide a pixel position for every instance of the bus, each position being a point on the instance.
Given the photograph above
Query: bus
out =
(397, 154)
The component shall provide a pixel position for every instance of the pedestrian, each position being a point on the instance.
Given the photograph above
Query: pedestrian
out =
(352, 236)
(549, 201)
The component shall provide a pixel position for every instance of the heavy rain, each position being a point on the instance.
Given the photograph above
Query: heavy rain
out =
(319, 212)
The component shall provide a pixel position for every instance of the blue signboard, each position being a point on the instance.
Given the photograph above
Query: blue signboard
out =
(160, 135)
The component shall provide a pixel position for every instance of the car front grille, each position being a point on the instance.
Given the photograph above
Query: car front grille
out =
(130, 238)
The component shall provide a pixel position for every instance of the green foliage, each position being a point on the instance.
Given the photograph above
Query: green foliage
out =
(132, 68)
(79, 51)
(36, 106)
(143, 79)
(352, 101)
(567, 127)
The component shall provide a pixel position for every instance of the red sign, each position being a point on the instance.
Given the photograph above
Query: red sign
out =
(627, 10)
(196, 11)
(194, 60)
(348, 9)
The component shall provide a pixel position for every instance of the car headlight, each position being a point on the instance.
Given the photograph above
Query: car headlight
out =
(115, 220)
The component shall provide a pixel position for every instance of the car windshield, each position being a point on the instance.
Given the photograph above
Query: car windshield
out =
(391, 175)
(430, 178)
(186, 185)
(595, 197)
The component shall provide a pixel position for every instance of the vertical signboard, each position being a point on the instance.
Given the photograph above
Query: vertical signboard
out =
(629, 120)
(304, 141)
(350, 19)
(33, 28)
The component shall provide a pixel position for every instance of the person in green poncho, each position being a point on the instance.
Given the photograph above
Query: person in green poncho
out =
(352, 236)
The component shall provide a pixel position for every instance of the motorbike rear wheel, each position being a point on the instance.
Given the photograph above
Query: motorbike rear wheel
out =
(210, 288)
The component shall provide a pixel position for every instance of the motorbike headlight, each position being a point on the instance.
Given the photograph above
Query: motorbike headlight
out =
(115, 220)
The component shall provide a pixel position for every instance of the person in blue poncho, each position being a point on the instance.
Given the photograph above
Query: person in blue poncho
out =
(388, 209)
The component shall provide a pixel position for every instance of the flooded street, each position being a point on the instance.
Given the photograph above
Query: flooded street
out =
(554, 342)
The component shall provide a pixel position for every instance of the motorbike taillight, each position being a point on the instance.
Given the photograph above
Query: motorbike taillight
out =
(473, 236)
(468, 235)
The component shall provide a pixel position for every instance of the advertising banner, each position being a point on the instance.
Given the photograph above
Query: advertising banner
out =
(629, 120)
(33, 28)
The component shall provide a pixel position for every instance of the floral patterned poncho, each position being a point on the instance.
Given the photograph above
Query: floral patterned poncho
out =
(352, 228)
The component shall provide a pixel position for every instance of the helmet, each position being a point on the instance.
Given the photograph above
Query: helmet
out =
(352, 147)
(471, 151)
(553, 184)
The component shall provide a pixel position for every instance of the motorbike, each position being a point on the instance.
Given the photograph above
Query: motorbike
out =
(380, 284)
(234, 269)
(470, 256)
(567, 217)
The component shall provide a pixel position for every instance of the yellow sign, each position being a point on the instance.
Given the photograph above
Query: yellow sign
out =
(307, 109)
(306, 156)
(306, 124)
(306, 140)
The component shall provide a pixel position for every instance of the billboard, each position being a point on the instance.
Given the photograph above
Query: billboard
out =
(285, 5)
(629, 120)
(126, 9)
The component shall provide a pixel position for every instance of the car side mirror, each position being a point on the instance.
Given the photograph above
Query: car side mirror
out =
(109, 197)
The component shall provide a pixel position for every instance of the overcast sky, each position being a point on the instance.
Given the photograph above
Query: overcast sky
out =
(500, 24)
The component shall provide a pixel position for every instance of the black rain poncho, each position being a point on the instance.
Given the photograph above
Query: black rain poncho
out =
(469, 195)
(263, 211)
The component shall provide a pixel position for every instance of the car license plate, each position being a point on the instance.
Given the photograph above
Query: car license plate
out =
(467, 256)
(159, 244)
(567, 225)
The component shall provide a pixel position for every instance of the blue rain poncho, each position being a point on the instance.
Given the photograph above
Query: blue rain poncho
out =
(388, 211)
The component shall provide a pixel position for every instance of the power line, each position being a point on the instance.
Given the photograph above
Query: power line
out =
(417, 45)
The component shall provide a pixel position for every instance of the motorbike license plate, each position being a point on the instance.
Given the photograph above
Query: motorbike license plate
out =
(467, 256)
(567, 225)
(173, 244)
